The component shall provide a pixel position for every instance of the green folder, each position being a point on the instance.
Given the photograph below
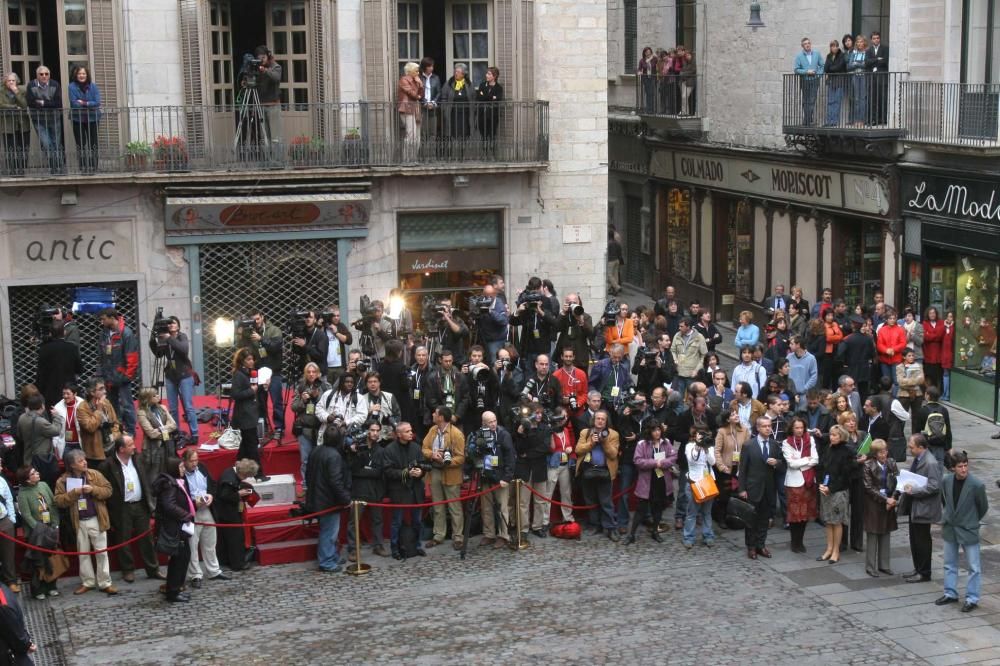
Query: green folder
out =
(865, 447)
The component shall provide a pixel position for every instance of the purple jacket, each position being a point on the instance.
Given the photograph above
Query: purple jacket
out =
(645, 465)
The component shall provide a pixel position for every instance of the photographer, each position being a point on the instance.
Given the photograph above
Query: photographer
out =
(573, 384)
(654, 364)
(597, 466)
(536, 319)
(611, 378)
(576, 330)
(177, 374)
(338, 337)
(493, 324)
(119, 364)
(365, 459)
(58, 364)
(376, 405)
(541, 386)
(419, 372)
(454, 334)
(269, 89)
(98, 423)
(404, 483)
(484, 388)
(444, 449)
(629, 426)
(266, 342)
(336, 406)
(510, 379)
(307, 424)
(329, 486)
(562, 461)
(37, 433)
(310, 343)
(380, 327)
(446, 387)
(533, 441)
(492, 445)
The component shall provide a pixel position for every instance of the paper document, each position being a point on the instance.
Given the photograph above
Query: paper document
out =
(865, 447)
(73, 483)
(264, 375)
(208, 447)
(909, 482)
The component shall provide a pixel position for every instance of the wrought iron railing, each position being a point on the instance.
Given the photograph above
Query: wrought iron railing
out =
(675, 95)
(960, 114)
(858, 101)
(215, 138)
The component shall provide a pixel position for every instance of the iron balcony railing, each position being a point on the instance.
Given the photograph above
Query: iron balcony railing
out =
(958, 114)
(214, 138)
(840, 103)
(673, 96)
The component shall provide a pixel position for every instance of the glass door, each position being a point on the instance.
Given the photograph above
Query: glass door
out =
(470, 25)
(288, 35)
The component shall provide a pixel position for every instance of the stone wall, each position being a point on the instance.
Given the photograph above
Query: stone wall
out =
(152, 53)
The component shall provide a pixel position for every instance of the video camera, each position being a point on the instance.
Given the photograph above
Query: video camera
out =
(480, 305)
(161, 326)
(482, 443)
(530, 297)
(650, 355)
(42, 325)
(250, 69)
(630, 401)
(368, 315)
(610, 312)
(432, 313)
(524, 415)
(297, 323)
(246, 326)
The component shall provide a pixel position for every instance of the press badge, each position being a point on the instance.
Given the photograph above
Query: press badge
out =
(173, 365)
(263, 353)
(81, 504)
(587, 458)
(615, 391)
(107, 350)
(416, 394)
(130, 487)
(564, 458)
(45, 517)
(659, 473)
(537, 333)
(492, 462)
(736, 456)
(310, 408)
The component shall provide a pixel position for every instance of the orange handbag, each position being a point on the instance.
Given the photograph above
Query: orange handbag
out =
(704, 489)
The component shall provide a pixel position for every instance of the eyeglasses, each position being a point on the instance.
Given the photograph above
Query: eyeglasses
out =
(41, 74)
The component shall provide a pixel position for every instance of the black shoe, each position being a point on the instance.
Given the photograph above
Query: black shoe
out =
(421, 552)
(179, 597)
(945, 600)
(909, 574)
(969, 606)
(195, 583)
(887, 572)
(655, 536)
(396, 555)
(221, 576)
(630, 539)
(541, 534)
(613, 535)
(917, 579)
(996, 435)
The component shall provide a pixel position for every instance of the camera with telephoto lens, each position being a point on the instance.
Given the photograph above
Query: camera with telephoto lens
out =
(577, 310)
(249, 70)
(650, 355)
(297, 323)
(246, 326)
(610, 315)
(479, 373)
(363, 365)
(42, 325)
(571, 401)
(480, 304)
(529, 388)
(482, 443)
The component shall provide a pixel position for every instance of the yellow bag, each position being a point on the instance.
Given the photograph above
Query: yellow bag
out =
(704, 489)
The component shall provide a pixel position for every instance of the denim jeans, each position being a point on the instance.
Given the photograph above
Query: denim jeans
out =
(492, 348)
(598, 491)
(120, 397)
(397, 522)
(305, 448)
(834, 99)
(974, 585)
(185, 389)
(681, 505)
(50, 137)
(690, 520)
(626, 477)
(889, 370)
(328, 551)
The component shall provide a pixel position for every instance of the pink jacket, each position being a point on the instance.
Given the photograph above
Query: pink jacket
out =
(645, 465)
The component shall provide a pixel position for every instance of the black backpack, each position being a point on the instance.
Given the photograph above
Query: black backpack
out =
(409, 540)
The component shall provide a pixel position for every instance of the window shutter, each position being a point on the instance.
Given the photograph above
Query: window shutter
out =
(504, 46)
(526, 51)
(323, 29)
(377, 48)
(104, 61)
(4, 41)
(193, 74)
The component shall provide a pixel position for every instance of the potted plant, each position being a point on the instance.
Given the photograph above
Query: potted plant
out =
(305, 151)
(170, 153)
(353, 147)
(137, 154)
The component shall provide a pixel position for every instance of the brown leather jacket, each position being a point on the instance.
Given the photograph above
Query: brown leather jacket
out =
(91, 437)
(409, 93)
(100, 494)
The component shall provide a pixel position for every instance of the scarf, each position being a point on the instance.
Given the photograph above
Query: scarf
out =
(459, 85)
(804, 447)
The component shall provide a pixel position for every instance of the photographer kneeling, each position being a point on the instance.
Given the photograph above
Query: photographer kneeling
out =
(493, 452)
(178, 375)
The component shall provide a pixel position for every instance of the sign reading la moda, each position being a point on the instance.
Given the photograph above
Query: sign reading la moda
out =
(967, 201)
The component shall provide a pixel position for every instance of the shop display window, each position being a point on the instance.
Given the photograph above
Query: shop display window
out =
(679, 231)
(976, 314)
(740, 250)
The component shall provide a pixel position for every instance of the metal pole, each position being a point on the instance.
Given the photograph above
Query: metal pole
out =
(358, 568)
(521, 544)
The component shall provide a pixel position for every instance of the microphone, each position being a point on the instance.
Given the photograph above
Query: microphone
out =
(253, 378)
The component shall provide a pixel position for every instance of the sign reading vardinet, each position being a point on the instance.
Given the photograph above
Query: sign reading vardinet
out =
(933, 196)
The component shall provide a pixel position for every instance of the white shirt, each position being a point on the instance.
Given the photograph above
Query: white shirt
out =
(130, 477)
(333, 358)
(699, 460)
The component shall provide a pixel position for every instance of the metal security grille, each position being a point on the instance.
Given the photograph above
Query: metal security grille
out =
(633, 241)
(24, 302)
(631, 36)
(277, 277)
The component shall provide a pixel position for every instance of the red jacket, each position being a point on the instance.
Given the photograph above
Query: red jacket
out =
(119, 355)
(933, 339)
(573, 384)
(894, 338)
(948, 348)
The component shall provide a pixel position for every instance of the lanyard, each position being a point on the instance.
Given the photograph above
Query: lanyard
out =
(570, 377)
(621, 329)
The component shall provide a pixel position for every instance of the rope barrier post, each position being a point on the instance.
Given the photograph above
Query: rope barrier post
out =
(521, 543)
(359, 568)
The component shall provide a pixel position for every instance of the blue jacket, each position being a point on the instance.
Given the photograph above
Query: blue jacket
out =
(493, 326)
(806, 61)
(89, 111)
(602, 372)
(803, 372)
(747, 335)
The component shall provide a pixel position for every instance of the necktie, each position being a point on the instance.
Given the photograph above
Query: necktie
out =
(763, 448)
(780, 304)
(913, 467)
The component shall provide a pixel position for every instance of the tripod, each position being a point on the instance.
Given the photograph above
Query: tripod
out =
(251, 125)
(366, 343)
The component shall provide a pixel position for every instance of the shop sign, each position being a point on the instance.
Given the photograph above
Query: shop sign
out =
(201, 214)
(865, 193)
(951, 198)
(448, 261)
(47, 249)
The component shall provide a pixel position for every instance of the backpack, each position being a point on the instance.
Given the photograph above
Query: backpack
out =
(935, 428)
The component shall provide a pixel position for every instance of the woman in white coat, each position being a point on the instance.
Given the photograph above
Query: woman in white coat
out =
(801, 457)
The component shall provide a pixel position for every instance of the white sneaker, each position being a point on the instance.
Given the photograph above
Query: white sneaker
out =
(40, 597)
(53, 593)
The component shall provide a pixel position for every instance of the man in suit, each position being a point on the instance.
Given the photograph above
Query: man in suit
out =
(809, 67)
(877, 62)
(130, 507)
(58, 364)
(874, 423)
(965, 504)
(777, 302)
(857, 353)
(923, 506)
(760, 462)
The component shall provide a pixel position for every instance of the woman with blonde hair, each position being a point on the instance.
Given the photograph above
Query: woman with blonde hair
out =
(306, 425)
(836, 465)
(409, 93)
(880, 474)
(158, 429)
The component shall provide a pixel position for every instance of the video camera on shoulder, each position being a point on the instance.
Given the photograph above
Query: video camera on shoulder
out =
(530, 297)
(630, 401)
(480, 305)
(369, 314)
(42, 325)
(610, 315)
(297, 323)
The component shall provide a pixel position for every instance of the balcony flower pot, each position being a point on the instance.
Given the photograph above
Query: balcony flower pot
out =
(305, 151)
(170, 154)
(137, 155)
(352, 148)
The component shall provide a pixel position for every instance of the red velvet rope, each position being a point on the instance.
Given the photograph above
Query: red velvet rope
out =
(585, 507)
(439, 503)
(29, 546)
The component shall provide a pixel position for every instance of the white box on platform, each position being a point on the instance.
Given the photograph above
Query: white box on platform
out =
(280, 489)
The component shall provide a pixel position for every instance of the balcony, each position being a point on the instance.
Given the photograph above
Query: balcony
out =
(154, 143)
(667, 104)
(952, 115)
(832, 111)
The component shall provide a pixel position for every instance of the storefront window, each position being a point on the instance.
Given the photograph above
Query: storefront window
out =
(860, 263)
(976, 335)
(679, 232)
(740, 254)
(941, 287)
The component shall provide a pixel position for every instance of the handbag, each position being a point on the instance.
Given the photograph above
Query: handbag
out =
(592, 473)
(230, 439)
(740, 512)
(704, 489)
(167, 543)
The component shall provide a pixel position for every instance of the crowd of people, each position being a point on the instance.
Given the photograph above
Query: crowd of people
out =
(856, 76)
(620, 417)
(667, 81)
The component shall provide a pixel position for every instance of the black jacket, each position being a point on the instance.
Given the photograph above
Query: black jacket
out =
(244, 401)
(226, 501)
(835, 64)
(920, 420)
(532, 449)
(177, 352)
(315, 350)
(757, 478)
(857, 352)
(396, 461)
(343, 330)
(484, 391)
(172, 508)
(395, 379)
(328, 479)
(14, 636)
(111, 468)
(367, 482)
(650, 375)
(710, 333)
(839, 463)
(536, 328)
(548, 391)
(504, 448)
(435, 397)
(58, 364)
(575, 337)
